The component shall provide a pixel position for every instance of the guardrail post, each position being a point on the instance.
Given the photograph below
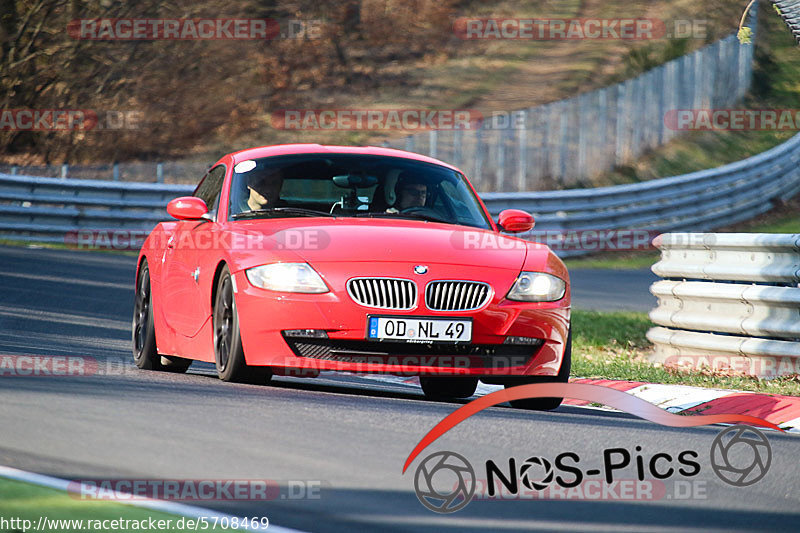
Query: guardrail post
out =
(640, 116)
(652, 88)
(116, 171)
(622, 118)
(458, 135)
(160, 173)
(544, 168)
(583, 133)
(563, 139)
(522, 148)
(601, 145)
(501, 141)
(64, 171)
(14, 170)
(478, 160)
(673, 95)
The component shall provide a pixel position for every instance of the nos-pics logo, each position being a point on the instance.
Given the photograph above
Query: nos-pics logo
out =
(445, 481)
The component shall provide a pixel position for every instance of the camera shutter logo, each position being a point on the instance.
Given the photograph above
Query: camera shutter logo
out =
(741, 455)
(444, 482)
(525, 473)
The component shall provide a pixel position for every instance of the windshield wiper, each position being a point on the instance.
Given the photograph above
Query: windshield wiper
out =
(267, 211)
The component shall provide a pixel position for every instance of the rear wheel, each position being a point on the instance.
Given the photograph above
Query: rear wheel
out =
(228, 352)
(445, 388)
(546, 404)
(145, 351)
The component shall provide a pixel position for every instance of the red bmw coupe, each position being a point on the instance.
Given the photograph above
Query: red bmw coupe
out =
(296, 259)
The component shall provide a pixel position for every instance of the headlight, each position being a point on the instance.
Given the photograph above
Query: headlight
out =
(537, 287)
(287, 277)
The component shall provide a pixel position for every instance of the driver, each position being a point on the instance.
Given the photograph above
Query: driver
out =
(412, 191)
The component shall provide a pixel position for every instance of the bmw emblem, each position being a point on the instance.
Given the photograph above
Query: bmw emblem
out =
(420, 269)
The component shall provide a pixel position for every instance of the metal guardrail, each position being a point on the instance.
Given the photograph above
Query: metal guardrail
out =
(45, 209)
(749, 257)
(745, 309)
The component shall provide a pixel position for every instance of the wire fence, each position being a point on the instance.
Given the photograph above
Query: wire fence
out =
(566, 143)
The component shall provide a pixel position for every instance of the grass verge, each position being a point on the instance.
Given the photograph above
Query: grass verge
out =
(25, 501)
(612, 345)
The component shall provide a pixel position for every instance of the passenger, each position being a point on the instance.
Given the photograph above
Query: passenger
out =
(263, 190)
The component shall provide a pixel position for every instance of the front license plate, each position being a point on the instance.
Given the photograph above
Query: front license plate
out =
(420, 329)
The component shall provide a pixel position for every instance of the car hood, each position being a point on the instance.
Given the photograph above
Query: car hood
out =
(317, 240)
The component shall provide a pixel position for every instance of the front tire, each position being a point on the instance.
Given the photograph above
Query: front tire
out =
(143, 331)
(447, 388)
(546, 404)
(145, 354)
(228, 352)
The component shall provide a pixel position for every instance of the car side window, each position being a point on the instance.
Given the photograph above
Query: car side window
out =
(210, 188)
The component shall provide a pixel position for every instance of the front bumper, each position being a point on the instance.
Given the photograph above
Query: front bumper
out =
(264, 316)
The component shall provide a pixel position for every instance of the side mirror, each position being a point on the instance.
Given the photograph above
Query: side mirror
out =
(515, 221)
(187, 208)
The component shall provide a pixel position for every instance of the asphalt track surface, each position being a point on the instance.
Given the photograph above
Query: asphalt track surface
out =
(350, 435)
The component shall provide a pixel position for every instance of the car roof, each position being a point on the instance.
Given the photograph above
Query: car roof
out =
(289, 149)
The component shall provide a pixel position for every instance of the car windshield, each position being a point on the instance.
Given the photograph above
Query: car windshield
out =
(345, 185)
